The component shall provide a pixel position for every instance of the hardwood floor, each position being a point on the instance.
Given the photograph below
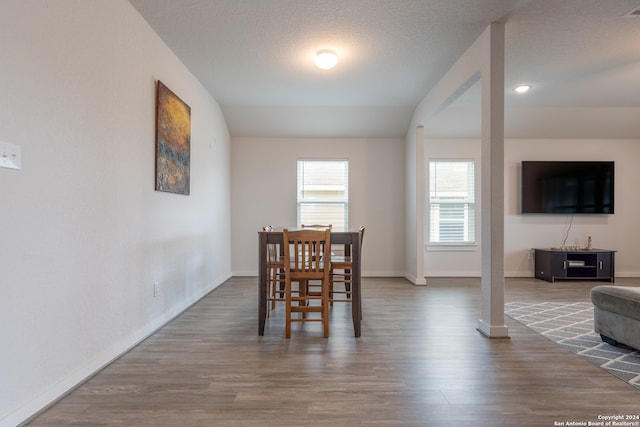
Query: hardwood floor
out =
(420, 362)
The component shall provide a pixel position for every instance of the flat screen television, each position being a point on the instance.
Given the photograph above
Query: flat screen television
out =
(564, 187)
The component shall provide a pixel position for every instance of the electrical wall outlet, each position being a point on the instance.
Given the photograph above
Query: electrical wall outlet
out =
(10, 155)
(156, 289)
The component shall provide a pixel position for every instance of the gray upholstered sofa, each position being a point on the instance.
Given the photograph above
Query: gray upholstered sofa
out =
(616, 314)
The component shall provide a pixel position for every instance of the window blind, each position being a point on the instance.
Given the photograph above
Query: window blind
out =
(451, 201)
(323, 193)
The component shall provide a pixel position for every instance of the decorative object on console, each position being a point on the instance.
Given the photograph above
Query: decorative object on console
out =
(575, 263)
(574, 247)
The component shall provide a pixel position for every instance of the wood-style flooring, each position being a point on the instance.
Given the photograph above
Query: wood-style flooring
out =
(420, 362)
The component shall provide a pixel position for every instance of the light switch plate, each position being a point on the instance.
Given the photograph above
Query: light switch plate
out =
(10, 155)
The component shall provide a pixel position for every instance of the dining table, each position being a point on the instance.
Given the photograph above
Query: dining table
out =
(351, 241)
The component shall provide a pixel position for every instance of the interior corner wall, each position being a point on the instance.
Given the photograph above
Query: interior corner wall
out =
(83, 234)
(264, 172)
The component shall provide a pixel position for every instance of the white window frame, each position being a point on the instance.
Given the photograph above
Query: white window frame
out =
(470, 210)
(301, 200)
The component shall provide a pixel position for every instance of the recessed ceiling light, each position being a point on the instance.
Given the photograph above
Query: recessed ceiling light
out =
(326, 58)
(522, 88)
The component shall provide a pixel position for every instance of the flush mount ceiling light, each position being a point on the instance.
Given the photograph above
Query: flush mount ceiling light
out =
(522, 88)
(326, 58)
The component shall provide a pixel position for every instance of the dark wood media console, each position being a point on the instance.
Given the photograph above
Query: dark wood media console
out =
(594, 264)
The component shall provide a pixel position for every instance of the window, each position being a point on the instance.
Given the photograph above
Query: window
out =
(323, 193)
(451, 201)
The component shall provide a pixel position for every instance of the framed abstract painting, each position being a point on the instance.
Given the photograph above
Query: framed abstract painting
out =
(173, 142)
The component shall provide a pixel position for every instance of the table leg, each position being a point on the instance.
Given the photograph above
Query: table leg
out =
(356, 297)
(262, 282)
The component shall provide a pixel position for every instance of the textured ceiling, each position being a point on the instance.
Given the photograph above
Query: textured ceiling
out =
(256, 59)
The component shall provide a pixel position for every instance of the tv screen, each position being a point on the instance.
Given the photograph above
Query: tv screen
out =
(561, 187)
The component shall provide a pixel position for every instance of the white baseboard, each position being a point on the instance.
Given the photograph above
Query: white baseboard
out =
(245, 273)
(492, 331)
(455, 274)
(627, 274)
(417, 281)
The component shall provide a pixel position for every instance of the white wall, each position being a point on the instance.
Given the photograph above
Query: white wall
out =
(264, 193)
(523, 232)
(83, 233)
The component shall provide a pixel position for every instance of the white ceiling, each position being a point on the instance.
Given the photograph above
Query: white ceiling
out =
(256, 59)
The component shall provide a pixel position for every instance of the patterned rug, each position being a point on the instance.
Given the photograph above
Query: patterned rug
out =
(571, 326)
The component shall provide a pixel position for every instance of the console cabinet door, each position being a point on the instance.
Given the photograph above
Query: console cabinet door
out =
(558, 265)
(604, 266)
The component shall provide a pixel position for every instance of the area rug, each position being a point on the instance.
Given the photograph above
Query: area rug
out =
(571, 326)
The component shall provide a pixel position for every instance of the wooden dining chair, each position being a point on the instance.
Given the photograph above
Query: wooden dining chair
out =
(275, 273)
(312, 288)
(307, 258)
(342, 272)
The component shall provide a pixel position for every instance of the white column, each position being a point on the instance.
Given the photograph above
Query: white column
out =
(491, 322)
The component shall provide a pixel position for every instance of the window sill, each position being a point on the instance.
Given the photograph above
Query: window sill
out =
(451, 247)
